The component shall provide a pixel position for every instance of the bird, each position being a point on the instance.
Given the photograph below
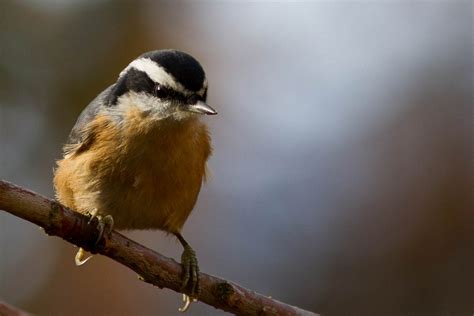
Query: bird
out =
(136, 157)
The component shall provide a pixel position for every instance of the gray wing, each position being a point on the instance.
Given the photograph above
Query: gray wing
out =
(80, 139)
(87, 115)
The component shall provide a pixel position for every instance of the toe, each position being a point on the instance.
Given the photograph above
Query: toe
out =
(109, 224)
(105, 225)
(186, 271)
(190, 272)
(100, 228)
(195, 279)
(187, 303)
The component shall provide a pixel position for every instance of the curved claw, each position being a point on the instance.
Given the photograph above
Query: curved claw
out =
(105, 225)
(79, 259)
(187, 302)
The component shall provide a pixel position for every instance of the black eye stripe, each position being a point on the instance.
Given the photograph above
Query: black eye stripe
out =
(133, 80)
(164, 92)
(193, 99)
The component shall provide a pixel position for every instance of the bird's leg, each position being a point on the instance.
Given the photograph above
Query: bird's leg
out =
(190, 273)
(105, 225)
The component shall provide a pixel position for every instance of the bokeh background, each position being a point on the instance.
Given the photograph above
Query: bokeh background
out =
(341, 177)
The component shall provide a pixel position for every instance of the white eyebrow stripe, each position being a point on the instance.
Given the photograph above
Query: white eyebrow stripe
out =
(156, 73)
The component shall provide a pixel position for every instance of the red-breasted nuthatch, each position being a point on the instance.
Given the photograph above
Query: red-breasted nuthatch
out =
(136, 157)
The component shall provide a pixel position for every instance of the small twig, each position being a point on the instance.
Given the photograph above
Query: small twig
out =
(152, 267)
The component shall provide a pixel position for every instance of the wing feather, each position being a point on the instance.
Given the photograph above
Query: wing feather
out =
(81, 138)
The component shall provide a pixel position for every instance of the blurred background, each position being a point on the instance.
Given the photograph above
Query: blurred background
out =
(341, 175)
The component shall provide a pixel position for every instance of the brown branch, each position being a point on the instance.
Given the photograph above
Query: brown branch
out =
(57, 220)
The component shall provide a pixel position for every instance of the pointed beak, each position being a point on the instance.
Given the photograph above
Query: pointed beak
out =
(201, 107)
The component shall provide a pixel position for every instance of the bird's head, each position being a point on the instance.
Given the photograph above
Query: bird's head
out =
(164, 84)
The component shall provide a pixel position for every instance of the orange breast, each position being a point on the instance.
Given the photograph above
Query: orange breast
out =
(147, 174)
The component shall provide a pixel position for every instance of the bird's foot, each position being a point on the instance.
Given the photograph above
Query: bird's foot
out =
(190, 277)
(105, 225)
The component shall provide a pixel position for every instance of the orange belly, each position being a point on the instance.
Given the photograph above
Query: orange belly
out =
(146, 174)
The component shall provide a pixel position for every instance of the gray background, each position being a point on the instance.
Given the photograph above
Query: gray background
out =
(341, 176)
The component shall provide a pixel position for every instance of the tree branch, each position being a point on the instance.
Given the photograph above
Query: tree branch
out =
(57, 220)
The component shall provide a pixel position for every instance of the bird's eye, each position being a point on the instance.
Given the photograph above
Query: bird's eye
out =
(160, 91)
(193, 99)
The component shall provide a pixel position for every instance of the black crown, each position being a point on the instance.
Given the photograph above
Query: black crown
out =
(183, 67)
